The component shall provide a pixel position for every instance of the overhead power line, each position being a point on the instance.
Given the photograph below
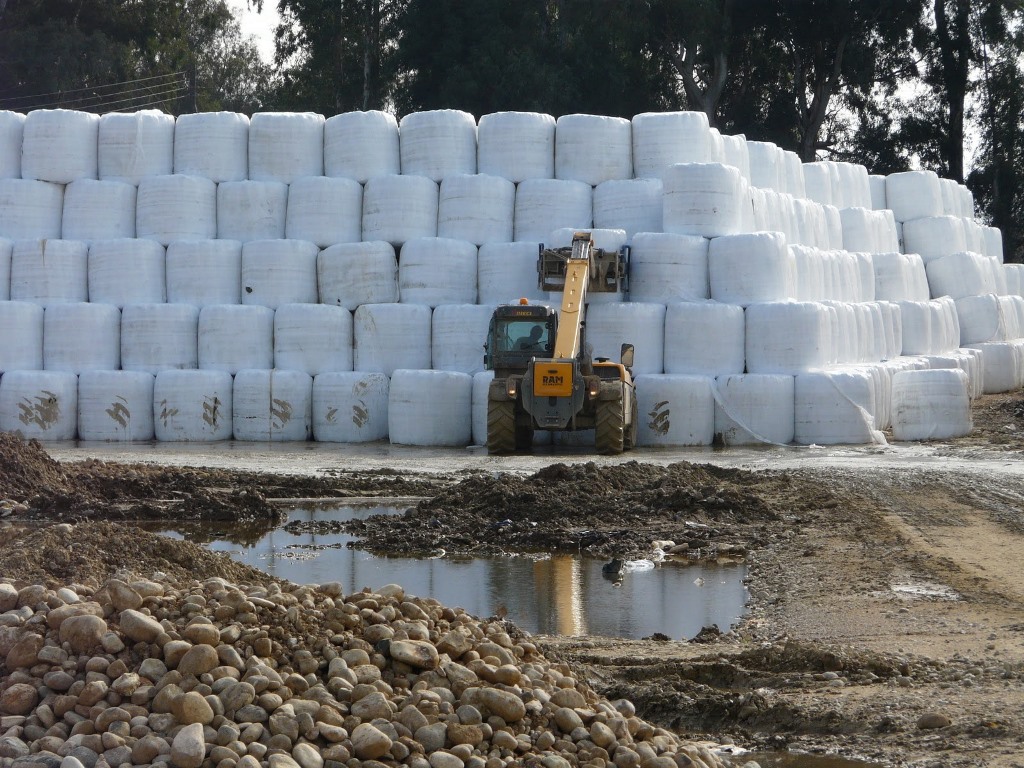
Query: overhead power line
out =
(104, 97)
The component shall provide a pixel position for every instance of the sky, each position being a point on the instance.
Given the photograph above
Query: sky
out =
(259, 25)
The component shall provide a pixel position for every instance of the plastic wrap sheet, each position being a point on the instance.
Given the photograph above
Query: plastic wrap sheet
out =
(754, 408)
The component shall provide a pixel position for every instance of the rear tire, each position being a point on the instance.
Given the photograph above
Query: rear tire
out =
(501, 427)
(610, 433)
(629, 438)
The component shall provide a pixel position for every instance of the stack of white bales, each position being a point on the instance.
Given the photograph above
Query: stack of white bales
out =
(286, 276)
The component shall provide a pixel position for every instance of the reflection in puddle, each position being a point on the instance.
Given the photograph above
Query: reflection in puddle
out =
(550, 595)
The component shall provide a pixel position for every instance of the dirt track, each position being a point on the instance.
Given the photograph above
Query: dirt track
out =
(881, 593)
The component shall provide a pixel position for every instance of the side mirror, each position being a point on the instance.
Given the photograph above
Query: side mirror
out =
(626, 355)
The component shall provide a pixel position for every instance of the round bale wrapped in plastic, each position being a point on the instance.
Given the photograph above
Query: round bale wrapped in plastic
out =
(39, 405)
(213, 145)
(50, 271)
(391, 336)
(325, 210)
(633, 205)
(352, 274)
(276, 272)
(81, 337)
(135, 145)
(766, 165)
(507, 272)
(913, 195)
(60, 145)
(746, 269)
(666, 268)
(272, 405)
(1003, 365)
(251, 210)
(202, 272)
(127, 271)
(593, 148)
(438, 143)
(115, 406)
(159, 337)
(476, 208)
(934, 237)
(609, 326)
(234, 337)
(98, 210)
(12, 133)
(703, 199)
(787, 337)
(481, 388)
(177, 207)
(430, 408)
(30, 209)
(361, 145)
(661, 139)
(516, 145)
(544, 205)
(753, 408)
(458, 332)
(835, 407)
(399, 208)
(285, 146)
(703, 338)
(736, 154)
(930, 405)
(350, 407)
(21, 343)
(315, 338)
(675, 410)
(818, 183)
(436, 270)
(192, 406)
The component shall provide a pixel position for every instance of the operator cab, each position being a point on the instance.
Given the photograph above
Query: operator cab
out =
(518, 333)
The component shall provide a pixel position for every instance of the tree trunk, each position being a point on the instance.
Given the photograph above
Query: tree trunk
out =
(812, 114)
(954, 43)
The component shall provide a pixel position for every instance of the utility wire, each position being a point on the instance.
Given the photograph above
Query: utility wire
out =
(98, 102)
(95, 92)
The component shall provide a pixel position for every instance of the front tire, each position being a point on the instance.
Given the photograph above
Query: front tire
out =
(610, 433)
(501, 427)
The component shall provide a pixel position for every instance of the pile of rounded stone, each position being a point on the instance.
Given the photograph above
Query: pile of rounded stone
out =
(217, 675)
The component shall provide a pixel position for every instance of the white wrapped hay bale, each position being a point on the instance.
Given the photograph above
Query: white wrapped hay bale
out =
(661, 139)
(593, 148)
(792, 173)
(438, 143)
(666, 268)
(931, 405)
(30, 209)
(766, 165)
(704, 338)
(993, 240)
(934, 237)
(812, 223)
(272, 405)
(437, 270)
(192, 406)
(159, 337)
(170, 208)
(391, 336)
(1014, 274)
(98, 210)
(984, 318)
(202, 272)
(847, 332)
(251, 210)
(350, 407)
(516, 145)
(324, 210)
(633, 205)
(361, 145)
(507, 272)
(809, 266)
(21, 343)
(966, 360)
(315, 338)
(877, 185)
(276, 272)
(675, 410)
(703, 199)
(835, 407)
(12, 133)
(285, 146)
(913, 195)
(457, 336)
(126, 271)
(747, 269)
(476, 208)
(1002, 364)
(399, 208)
(135, 145)
(115, 406)
(543, 205)
(855, 185)
(352, 274)
(834, 225)
(609, 326)
(39, 405)
(900, 277)
(60, 145)
(213, 145)
(481, 388)
(818, 183)
(50, 272)
(859, 230)
(950, 194)
(960, 274)
(716, 148)
(233, 337)
(736, 154)
(929, 328)
(787, 337)
(430, 408)
(81, 337)
(754, 408)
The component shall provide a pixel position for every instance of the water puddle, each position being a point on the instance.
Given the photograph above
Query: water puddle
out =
(546, 594)
(799, 760)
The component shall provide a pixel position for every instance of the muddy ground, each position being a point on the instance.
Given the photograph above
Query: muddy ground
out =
(887, 605)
